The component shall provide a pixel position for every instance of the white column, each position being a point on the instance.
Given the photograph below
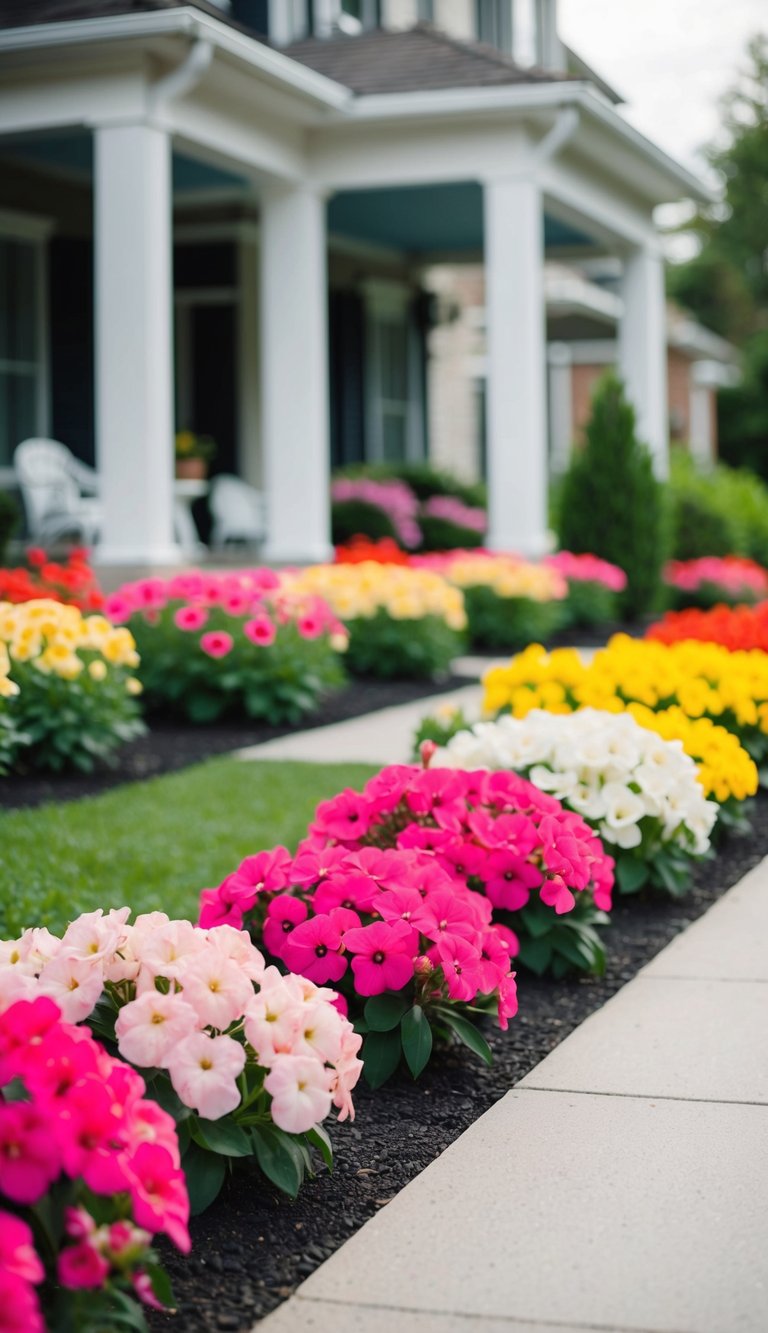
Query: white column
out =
(134, 344)
(643, 350)
(559, 362)
(294, 373)
(516, 385)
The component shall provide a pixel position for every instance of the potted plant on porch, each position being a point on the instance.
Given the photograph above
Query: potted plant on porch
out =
(193, 454)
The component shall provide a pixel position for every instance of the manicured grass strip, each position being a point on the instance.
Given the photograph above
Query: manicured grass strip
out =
(155, 844)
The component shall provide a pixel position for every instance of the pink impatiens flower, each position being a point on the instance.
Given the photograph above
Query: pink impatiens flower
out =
(261, 630)
(29, 1156)
(190, 618)
(81, 1266)
(17, 1250)
(217, 643)
(383, 960)
(204, 1072)
(314, 949)
(460, 962)
(159, 1195)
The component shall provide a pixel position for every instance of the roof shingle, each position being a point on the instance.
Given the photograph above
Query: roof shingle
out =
(420, 59)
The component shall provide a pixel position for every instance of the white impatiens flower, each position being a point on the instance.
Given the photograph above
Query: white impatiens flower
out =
(631, 785)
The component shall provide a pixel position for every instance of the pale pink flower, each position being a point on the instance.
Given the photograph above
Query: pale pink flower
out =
(16, 985)
(216, 987)
(320, 1032)
(272, 1022)
(204, 1072)
(165, 951)
(94, 936)
(151, 1026)
(300, 1088)
(238, 945)
(347, 1072)
(74, 984)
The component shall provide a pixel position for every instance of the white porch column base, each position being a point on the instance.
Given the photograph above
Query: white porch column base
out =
(134, 344)
(643, 350)
(294, 374)
(516, 385)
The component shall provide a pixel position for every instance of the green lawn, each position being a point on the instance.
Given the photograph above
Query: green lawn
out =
(155, 844)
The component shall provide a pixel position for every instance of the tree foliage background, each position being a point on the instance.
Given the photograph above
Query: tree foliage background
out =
(726, 284)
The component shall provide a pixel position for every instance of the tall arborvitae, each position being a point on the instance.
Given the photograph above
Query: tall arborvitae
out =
(611, 503)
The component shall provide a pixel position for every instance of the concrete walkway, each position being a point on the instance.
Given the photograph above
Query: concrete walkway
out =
(622, 1186)
(385, 737)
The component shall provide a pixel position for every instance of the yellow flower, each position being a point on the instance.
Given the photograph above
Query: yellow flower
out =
(97, 670)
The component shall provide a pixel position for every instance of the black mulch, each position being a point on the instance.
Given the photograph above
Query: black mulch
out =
(171, 744)
(254, 1246)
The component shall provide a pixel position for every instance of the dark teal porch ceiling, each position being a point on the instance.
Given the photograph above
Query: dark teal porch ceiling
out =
(428, 219)
(72, 155)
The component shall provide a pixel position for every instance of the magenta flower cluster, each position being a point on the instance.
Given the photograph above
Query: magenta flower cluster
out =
(735, 576)
(73, 1118)
(494, 832)
(370, 921)
(255, 597)
(455, 511)
(395, 498)
(588, 569)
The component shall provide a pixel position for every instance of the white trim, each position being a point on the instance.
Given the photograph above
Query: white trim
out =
(574, 294)
(26, 229)
(192, 23)
(340, 102)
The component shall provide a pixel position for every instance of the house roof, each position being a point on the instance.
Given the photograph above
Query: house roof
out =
(419, 59)
(22, 13)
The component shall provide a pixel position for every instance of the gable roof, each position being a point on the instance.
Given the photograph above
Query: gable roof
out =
(419, 59)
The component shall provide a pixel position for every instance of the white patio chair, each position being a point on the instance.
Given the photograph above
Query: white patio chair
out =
(52, 482)
(238, 510)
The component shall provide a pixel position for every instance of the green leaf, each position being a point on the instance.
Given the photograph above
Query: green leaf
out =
(417, 1039)
(161, 1284)
(223, 1136)
(381, 1056)
(319, 1139)
(277, 1159)
(383, 1012)
(631, 874)
(536, 955)
(205, 1174)
(468, 1034)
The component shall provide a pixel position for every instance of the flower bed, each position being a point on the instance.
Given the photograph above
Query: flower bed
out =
(543, 870)
(640, 793)
(401, 621)
(89, 1174)
(67, 692)
(738, 628)
(411, 953)
(71, 581)
(594, 586)
(248, 1062)
(392, 501)
(213, 644)
(702, 679)
(509, 601)
(712, 579)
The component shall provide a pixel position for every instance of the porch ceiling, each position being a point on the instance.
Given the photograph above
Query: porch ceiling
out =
(71, 155)
(429, 220)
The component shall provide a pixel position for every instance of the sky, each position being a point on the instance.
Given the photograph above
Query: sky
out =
(670, 59)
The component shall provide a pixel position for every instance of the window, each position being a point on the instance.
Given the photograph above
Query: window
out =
(394, 388)
(494, 23)
(23, 357)
(347, 16)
